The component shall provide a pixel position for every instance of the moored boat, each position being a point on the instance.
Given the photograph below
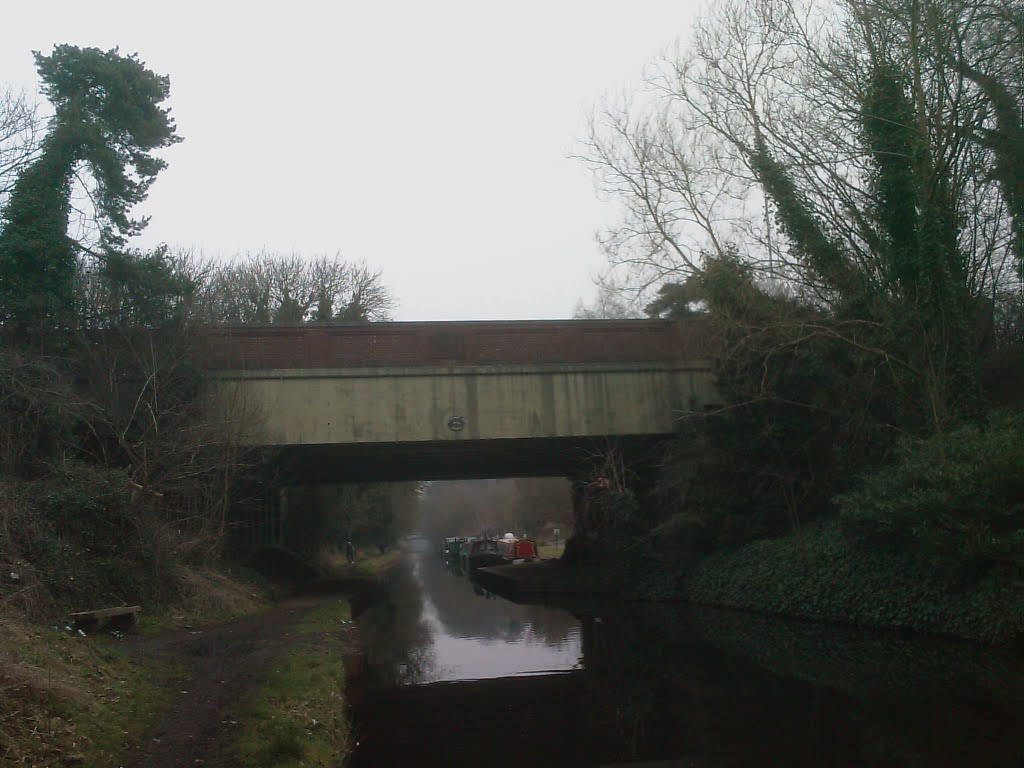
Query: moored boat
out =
(516, 551)
(451, 548)
(481, 553)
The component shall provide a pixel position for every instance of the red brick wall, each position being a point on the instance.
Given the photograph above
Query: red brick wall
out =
(458, 343)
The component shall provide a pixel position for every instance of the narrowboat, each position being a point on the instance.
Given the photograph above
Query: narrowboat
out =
(518, 551)
(451, 548)
(480, 553)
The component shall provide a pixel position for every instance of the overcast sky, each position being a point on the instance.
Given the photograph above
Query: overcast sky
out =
(429, 138)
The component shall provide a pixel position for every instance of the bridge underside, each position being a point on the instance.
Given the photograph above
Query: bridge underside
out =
(454, 459)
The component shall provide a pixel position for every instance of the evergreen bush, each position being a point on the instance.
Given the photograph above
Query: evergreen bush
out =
(819, 573)
(954, 501)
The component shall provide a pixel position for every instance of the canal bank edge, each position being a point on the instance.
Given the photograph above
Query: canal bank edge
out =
(817, 573)
(298, 714)
(814, 574)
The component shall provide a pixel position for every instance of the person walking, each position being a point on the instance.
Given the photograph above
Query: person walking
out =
(350, 553)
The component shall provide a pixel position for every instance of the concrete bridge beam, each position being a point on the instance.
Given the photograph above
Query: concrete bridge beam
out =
(407, 401)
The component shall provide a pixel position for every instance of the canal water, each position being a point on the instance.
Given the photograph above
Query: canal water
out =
(453, 675)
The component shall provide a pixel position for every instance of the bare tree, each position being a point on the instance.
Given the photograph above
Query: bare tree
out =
(272, 288)
(181, 440)
(20, 132)
(611, 302)
(778, 90)
(364, 296)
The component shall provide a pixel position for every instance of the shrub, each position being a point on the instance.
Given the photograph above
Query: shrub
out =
(955, 500)
(656, 564)
(86, 540)
(822, 574)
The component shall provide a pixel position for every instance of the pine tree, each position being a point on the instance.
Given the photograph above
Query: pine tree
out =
(107, 120)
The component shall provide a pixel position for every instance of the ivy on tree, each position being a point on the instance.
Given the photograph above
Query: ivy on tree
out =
(107, 121)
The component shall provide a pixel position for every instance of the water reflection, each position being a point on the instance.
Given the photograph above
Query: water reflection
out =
(742, 690)
(397, 641)
(656, 682)
(435, 625)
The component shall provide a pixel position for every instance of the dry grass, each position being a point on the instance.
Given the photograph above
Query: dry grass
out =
(19, 678)
(71, 699)
(207, 596)
(368, 563)
(27, 595)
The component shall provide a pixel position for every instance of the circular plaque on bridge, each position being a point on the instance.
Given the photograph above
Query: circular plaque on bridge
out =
(456, 423)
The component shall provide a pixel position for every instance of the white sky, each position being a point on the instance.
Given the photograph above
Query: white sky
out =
(429, 138)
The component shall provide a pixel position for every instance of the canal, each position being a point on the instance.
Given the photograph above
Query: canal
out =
(453, 675)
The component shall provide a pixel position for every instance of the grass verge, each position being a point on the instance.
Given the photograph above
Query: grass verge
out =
(369, 564)
(550, 551)
(69, 700)
(72, 700)
(377, 565)
(297, 717)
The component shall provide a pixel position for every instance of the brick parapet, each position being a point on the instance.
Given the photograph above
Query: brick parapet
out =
(452, 343)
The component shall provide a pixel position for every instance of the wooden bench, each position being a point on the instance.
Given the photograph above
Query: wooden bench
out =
(123, 617)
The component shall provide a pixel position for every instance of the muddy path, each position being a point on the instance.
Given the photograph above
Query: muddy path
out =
(222, 664)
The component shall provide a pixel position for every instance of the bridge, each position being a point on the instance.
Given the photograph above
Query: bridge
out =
(448, 400)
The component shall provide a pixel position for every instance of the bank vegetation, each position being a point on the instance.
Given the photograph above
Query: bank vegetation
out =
(117, 486)
(836, 187)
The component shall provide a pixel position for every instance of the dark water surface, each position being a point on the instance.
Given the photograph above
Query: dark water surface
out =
(455, 676)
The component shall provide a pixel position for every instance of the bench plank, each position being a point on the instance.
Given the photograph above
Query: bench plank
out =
(104, 613)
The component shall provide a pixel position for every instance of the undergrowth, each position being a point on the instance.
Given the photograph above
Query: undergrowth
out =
(78, 540)
(820, 573)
